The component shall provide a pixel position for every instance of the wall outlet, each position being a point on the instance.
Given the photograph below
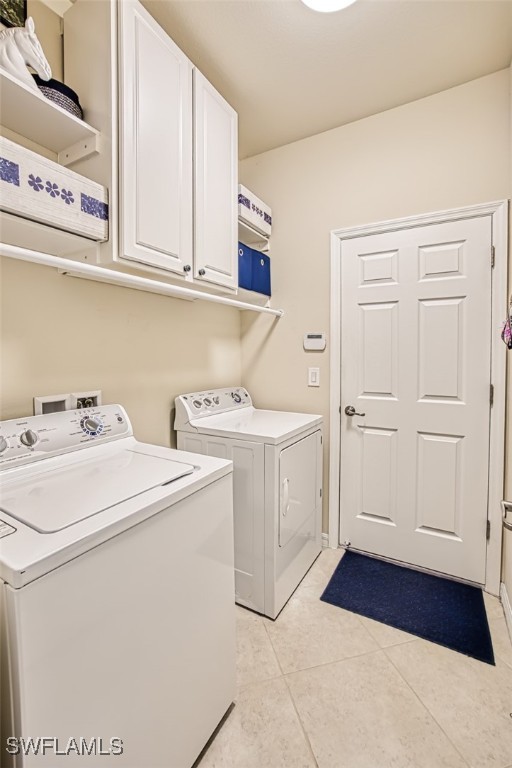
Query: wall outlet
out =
(313, 377)
(88, 399)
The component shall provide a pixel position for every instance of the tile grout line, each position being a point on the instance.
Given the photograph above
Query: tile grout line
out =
(264, 622)
(331, 661)
(283, 676)
(242, 686)
(306, 737)
(496, 654)
(424, 705)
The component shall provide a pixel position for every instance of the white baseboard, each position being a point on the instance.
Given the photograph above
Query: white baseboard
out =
(507, 608)
(325, 540)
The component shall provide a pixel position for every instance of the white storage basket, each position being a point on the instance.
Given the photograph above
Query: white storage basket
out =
(33, 187)
(254, 211)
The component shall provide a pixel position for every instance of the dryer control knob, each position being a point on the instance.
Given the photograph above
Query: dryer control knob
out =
(236, 397)
(3, 444)
(29, 438)
(197, 403)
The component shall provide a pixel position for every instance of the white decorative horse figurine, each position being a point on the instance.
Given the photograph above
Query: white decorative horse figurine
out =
(20, 47)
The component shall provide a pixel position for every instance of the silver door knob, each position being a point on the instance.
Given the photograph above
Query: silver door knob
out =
(351, 411)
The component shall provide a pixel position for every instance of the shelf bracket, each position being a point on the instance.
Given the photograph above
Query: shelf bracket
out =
(251, 237)
(79, 151)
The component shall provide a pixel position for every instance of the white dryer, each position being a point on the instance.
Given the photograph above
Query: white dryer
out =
(116, 594)
(277, 481)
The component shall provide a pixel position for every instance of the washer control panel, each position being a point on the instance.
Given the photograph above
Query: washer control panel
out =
(197, 404)
(31, 438)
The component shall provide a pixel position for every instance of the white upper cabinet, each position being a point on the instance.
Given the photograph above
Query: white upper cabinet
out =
(178, 158)
(155, 109)
(169, 153)
(216, 185)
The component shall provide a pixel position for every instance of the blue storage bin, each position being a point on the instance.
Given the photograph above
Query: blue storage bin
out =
(261, 273)
(253, 270)
(244, 266)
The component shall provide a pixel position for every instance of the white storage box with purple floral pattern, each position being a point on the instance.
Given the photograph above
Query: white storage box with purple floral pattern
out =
(254, 211)
(36, 188)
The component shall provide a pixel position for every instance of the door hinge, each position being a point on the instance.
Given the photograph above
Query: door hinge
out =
(493, 255)
(491, 394)
(488, 530)
(320, 493)
(339, 410)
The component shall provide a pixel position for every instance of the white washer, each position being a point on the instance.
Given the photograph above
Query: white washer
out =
(116, 594)
(277, 481)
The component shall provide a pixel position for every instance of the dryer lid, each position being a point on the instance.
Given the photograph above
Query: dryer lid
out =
(256, 424)
(52, 500)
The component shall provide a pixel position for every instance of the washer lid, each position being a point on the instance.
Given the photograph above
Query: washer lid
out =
(256, 424)
(56, 499)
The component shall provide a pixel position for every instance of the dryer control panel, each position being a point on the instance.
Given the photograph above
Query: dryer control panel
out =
(31, 438)
(194, 405)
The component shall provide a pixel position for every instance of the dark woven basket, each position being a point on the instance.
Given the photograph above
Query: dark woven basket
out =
(60, 94)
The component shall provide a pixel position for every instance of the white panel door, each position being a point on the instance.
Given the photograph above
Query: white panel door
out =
(415, 360)
(216, 186)
(155, 127)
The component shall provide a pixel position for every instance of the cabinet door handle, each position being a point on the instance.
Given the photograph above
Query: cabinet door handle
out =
(187, 268)
(202, 272)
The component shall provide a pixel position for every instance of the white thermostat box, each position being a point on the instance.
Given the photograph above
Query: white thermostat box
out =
(314, 342)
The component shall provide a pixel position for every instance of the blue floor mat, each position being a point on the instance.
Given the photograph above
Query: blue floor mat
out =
(440, 610)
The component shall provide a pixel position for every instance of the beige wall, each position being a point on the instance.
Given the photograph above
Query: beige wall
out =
(47, 25)
(448, 150)
(61, 334)
(48, 30)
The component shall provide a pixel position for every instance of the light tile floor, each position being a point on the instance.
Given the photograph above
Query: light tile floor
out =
(323, 687)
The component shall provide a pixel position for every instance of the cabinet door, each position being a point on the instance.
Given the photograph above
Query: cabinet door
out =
(216, 179)
(155, 128)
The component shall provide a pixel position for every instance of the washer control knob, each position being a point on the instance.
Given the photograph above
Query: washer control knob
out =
(216, 400)
(92, 424)
(28, 438)
(236, 397)
(207, 401)
(3, 444)
(197, 403)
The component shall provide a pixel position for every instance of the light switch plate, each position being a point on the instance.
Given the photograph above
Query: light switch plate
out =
(313, 377)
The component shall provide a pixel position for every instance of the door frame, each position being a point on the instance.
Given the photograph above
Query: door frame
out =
(499, 212)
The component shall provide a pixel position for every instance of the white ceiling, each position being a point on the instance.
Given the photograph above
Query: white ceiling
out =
(291, 72)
